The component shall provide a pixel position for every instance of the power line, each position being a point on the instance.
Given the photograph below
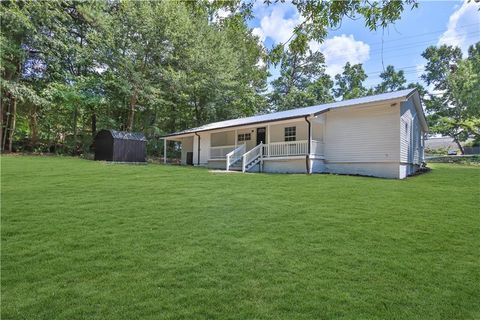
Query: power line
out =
(415, 44)
(399, 69)
(426, 33)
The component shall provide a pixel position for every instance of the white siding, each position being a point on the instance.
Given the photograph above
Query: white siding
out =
(187, 146)
(226, 138)
(411, 135)
(277, 131)
(250, 144)
(363, 134)
(204, 148)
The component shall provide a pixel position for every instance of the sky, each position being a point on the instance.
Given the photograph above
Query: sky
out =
(432, 23)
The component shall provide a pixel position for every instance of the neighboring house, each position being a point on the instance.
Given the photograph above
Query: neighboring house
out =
(434, 143)
(381, 135)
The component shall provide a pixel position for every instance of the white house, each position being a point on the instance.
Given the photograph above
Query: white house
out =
(381, 135)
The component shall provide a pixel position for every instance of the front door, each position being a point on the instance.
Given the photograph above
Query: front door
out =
(261, 132)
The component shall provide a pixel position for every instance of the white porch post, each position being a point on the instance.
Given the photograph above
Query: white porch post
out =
(236, 137)
(164, 150)
(310, 165)
(268, 140)
(311, 136)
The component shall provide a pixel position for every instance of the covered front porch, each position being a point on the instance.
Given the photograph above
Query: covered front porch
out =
(243, 148)
(281, 139)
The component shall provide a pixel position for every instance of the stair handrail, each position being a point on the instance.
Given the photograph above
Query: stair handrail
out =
(251, 156)
(235, 155)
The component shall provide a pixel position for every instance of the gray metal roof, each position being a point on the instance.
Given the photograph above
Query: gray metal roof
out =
(124, 135)
(298, 113)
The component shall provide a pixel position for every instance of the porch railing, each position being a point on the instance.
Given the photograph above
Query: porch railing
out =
(252, 156)
(284, 149)
(235, 155)
(220, 152)
(271, 150)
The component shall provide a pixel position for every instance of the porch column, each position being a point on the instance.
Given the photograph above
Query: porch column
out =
(268, 140)
(236, 137)
(164, 150)
(311, 136)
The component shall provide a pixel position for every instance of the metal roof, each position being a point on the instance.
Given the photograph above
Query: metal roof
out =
(124, 135)
(298, 113)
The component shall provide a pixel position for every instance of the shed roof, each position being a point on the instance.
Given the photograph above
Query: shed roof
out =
(124, 135)
(300, 112)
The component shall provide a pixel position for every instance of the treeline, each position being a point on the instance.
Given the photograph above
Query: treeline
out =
(70, 68)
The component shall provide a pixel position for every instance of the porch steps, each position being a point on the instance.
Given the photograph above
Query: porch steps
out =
(252, 164)
(236, 167)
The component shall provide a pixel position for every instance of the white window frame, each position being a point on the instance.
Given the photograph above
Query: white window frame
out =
(244, 137)
(290, 133)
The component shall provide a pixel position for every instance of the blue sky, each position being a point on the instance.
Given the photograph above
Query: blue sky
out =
(433, 23)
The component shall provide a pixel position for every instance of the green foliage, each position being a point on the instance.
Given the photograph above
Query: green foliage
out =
(456, 110)
(302, 82)
(320, 16)
(391, 80)
(349, 84)
(73, 67)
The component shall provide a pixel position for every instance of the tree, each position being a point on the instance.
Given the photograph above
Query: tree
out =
(391, 80)
(302, 81)
(16, 27)
(454, 109)
(320, 16)
(349, 84)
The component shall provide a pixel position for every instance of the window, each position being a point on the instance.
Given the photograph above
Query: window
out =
(290, 133)
(244, 136)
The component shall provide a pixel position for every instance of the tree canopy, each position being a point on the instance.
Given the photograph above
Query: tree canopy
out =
(154, 66)
(69, 68)
(454, 108)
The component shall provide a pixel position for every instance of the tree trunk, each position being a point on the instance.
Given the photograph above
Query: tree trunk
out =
(75, 120)
(2, 123)
(94, 125)
(6, 122)
(33, 126)
(12, 123)
(131, 115)
(462, 151)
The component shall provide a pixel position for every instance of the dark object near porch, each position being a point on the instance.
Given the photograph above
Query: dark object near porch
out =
(120, 146)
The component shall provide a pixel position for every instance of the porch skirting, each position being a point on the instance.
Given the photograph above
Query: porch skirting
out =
(392, 170)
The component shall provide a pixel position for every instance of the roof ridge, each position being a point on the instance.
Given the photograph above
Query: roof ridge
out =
(296, 113)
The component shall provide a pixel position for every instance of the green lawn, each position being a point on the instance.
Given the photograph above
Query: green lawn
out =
(88, 240)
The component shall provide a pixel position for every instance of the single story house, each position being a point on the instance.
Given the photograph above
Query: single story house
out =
(381, 135)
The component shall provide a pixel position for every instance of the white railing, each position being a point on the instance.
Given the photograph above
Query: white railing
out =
(235, 155)
(220, 152)
(252, 155)
(284, 149)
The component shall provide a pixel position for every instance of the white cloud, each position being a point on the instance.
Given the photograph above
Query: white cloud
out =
(420, 69)
(223, 13)
(275, 24)
(456, 34)
(259, 33)
(340, 50)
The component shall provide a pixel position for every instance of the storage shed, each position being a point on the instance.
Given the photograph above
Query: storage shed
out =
(120, 146)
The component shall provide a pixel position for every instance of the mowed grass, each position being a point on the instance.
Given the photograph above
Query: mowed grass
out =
(89, 240)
